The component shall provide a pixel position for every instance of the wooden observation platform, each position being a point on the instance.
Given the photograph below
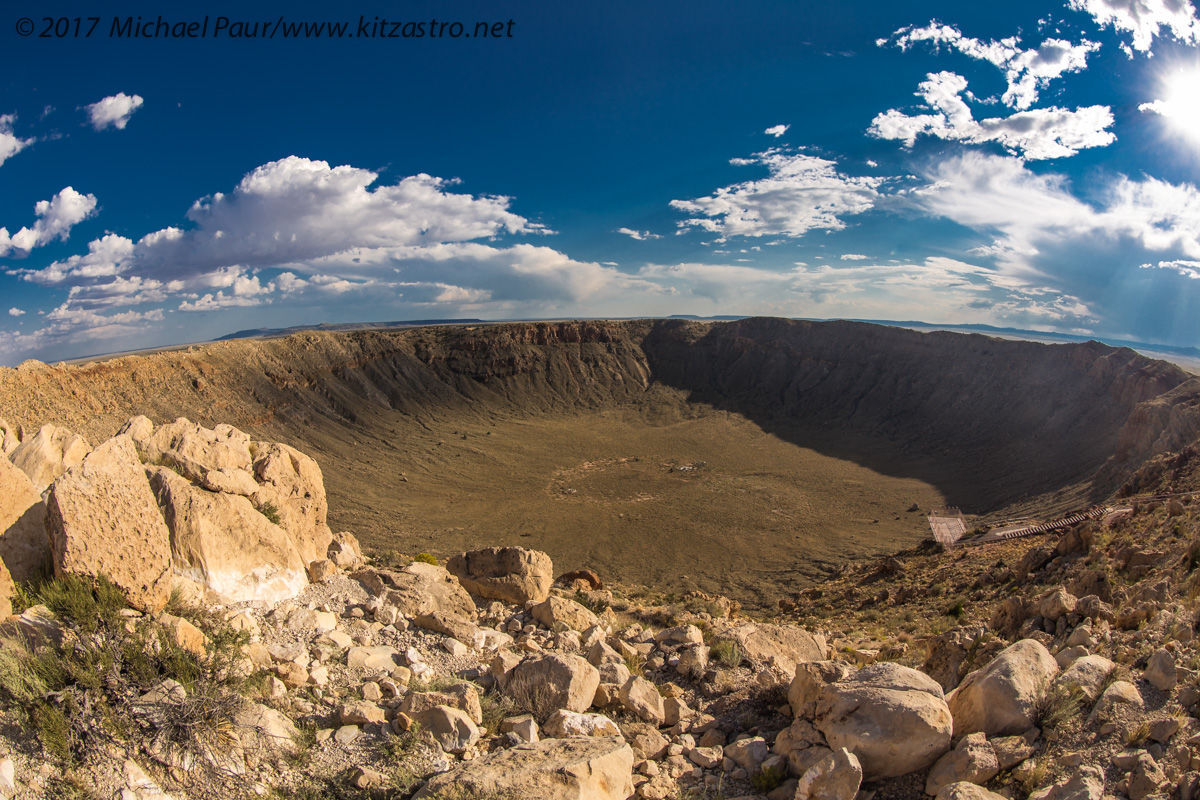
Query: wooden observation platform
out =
(948, 526)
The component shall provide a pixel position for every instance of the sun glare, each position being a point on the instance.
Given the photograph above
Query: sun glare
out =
(1181, 105)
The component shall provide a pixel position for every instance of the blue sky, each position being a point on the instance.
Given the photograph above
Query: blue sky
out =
(1021, 165)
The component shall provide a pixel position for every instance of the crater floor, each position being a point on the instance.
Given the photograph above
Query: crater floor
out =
(710, 502)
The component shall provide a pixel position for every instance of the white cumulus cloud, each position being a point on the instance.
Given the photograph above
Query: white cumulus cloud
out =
(1145, 19)
(800, 193)
(113, 111)
(15, 312)
(10, 143)
(301, 231)
(294, 211)
(1026, 70)
(56, 217)
(777, 130)
(1037, 134)
(1037, 226)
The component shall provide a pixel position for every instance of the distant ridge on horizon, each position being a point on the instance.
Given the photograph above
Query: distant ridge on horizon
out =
(1178, 350)
(270, 333)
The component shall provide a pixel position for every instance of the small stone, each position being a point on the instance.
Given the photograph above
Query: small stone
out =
(1160, 671)
(346, 734)
(706, 757)
(1163, 729)
(455, 648)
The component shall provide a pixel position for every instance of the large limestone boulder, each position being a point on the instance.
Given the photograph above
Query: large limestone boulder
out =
(893, 718)
(564, 724)
(642, 698)
(780, 646)
(973, 760)
(1087, 783)
(9, 438)
(599, 768)
(259, 726)
(463, 696)
(1001, 698)
(292, 483)
(101, 518)
(344, 551)
(24, 548)
(811, 677)
(191, 448)
(452, 728)
(1088, 674)
(836, 776)
(542, 684)
(964, 790)
(1160, 671)
(224, 543)
(511, 574)
(419, 589)
(48, 454)
(1116, 696)
(559, 612)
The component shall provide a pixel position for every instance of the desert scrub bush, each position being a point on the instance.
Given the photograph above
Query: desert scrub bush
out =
(1137, 735)
(426, 558)
(725, 651)
(768, 780)
(958, 610)
(495, 707)
(74, 690)
(595, 604)
(434, 683)
(635, 662)
(269, 511)
(1057, 706)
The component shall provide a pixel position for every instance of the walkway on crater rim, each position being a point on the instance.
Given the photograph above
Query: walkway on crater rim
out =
(1095, 512)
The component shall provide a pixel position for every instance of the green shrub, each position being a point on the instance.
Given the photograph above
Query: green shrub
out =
(82, 603)
(768, 780)
(426, 558)
(269, 511)
(727, 652)
(957, 610)
(496, 707)
(597, 605)
(76, 696)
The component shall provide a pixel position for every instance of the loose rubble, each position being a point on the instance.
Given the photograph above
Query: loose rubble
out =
(485, 679)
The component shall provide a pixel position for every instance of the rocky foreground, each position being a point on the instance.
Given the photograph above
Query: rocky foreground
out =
(205, 635)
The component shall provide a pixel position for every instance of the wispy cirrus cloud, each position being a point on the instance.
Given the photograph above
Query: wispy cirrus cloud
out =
(939, 288)
(640, 236)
